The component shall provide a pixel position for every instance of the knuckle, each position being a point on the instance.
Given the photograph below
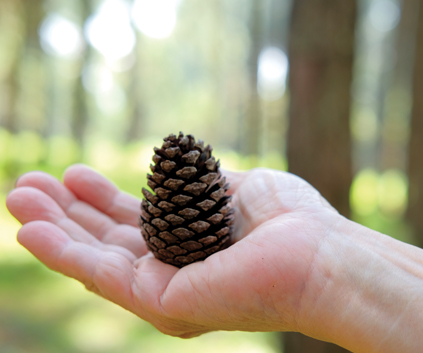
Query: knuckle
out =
(170, 331)
(90, 286)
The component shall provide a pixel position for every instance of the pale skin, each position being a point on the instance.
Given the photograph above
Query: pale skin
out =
(295, 265)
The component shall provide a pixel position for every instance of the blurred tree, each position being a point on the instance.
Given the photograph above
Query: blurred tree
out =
(415, 156)
(12, 29)
(22, 108)
(274, 110)
(33, 65)
(405, 48)
(80, 113)
(252, 123)
(321, 48)
(397, 101)
(12, 45)
(137, 114)
(321, 61)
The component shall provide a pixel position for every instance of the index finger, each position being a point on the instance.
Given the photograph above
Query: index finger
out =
(93, 188)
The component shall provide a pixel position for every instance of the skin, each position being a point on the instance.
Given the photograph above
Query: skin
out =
(295, 265)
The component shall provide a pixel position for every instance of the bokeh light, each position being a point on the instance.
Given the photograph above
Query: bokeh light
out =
(61, 37)
(272, 73)
(155, 19)
(364, 192)
(386, 192)
(384, 15)
(392, 192)
(109, 30)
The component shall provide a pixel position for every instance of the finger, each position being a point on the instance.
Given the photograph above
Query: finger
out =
(242, 224)
(234, 179)
(127, 237)
(96, 190)
(29, 204)
(261, 195)
(50, 186)
(95, 222)
(88, 217)
(106, 273)
(152, 278)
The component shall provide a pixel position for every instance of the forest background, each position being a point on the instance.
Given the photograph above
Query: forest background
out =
(329, 90)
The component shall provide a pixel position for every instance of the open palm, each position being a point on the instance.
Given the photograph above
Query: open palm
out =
(87, 229)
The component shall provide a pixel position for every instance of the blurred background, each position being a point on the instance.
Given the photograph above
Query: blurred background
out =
(327, 89)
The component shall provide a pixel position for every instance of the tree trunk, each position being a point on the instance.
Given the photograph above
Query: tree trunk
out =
(415, 153)
(252, 126)
(39, 117)
(80, 114)
(9, 85)
(136, 119)
(397, 107)
(321, 61)
(321, 47)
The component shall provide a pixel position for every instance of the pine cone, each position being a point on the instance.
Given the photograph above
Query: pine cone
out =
(188, 218)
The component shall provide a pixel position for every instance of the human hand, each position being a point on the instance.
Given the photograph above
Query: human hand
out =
(87, 229)
(297, 265)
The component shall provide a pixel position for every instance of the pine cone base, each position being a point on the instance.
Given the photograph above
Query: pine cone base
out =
(187, 218)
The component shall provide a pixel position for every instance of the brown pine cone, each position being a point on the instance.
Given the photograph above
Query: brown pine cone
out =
(188, 217)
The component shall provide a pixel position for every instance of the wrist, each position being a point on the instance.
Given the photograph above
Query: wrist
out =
(364, 291)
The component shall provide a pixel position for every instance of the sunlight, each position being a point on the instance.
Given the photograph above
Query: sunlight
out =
(272, 72)
(393, 192)
(156, 19)
(109, 30)
(384, 15)
(385, 191)
(364, 192)
(61, 37)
